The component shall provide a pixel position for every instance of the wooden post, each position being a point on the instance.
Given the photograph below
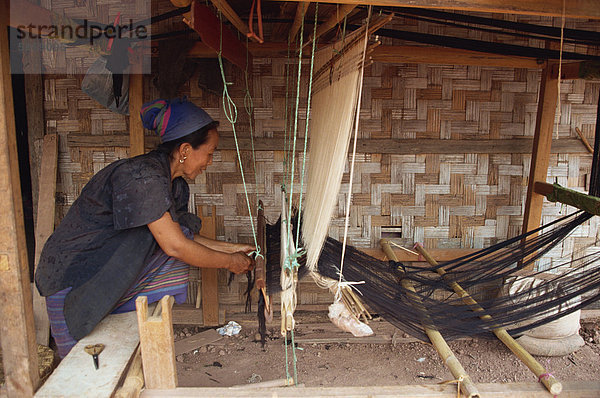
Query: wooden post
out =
(157, 343)
(17, 331)
(44, 227)
(210, 276)
(445, 352)
(34, 102)
(136, 96)
(540, 156)
(260, 271)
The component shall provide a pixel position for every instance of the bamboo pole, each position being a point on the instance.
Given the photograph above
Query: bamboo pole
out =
(584, 140)
(553, 385)
(466, 384)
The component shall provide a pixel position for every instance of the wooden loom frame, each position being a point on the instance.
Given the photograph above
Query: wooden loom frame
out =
(18, 337)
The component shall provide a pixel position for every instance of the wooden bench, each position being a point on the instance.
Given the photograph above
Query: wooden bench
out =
(76, 376)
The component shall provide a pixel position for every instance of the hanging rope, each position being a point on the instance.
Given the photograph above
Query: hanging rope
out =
(230, 110)
(356, 121)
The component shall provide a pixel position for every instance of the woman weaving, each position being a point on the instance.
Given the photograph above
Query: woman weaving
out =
(129, 232)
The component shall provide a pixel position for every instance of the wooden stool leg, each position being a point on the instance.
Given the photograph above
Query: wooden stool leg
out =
(157, 343)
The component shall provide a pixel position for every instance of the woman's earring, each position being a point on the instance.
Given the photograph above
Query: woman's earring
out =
(182, 160)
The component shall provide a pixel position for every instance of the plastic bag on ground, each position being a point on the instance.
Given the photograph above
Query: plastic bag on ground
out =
(341, 317)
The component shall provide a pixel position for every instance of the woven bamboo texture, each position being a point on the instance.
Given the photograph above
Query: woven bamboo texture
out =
(462, 200)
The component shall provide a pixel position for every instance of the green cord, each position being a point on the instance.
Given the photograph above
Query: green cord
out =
(249, 106)
(231, 114)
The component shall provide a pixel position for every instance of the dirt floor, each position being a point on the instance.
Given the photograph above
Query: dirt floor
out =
(240, 359)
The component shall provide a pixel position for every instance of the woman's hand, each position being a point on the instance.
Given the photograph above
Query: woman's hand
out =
(244, 247)
(240, 262)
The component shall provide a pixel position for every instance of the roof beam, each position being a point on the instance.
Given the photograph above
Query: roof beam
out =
(300, 11)
(398, 55)
(574, 9)
(450, 56)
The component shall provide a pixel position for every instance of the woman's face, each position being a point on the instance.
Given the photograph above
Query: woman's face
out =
(200, 158)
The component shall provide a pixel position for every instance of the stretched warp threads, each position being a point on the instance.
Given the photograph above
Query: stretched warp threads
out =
(479, 273)
(334, 104)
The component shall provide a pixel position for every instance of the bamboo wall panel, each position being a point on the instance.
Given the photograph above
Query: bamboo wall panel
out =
(461, 200)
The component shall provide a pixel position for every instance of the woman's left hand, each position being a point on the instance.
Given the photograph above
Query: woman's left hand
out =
(244, 247)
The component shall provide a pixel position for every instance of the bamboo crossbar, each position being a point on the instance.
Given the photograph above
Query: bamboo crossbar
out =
(557, 193)
(445, 352)
(549, 381)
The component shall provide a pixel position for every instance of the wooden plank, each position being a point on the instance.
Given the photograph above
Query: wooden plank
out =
(450, 56)
(188, 314)
(217, 36)
(197, 340)
(136, 95)
(44, 227)
(17, 330)
(157, 344)
(574, 9)
(76, 375)
(577, 389)
(540, 157)
(393, 146)
(210, 276)
(34, 103)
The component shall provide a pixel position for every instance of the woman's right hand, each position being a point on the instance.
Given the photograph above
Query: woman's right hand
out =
(240, 263)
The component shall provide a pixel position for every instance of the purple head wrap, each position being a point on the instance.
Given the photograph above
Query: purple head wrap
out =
(173, 119)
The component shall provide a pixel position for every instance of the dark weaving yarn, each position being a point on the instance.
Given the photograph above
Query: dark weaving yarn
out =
(435, 305)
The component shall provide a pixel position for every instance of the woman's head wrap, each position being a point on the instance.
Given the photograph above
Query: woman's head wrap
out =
(173, 119)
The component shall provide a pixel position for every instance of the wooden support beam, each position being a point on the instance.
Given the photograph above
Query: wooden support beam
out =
(34, 103)
(260, 270)
(300, 12)
(17, 330)
(44, 227)
(157, 343)
(210, 276)
(136, 98)
(554, 8)
(577, 389)
(577, 70)
(392, 146)
(341, 12)
(556, 193)
(450, 56)
(231, 15)
(396, 55)
(540, 157)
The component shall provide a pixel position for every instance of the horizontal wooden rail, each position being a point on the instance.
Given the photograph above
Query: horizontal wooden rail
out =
(389, 145)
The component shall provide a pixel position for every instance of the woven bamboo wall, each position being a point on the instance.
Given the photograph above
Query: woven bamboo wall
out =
(446, 201)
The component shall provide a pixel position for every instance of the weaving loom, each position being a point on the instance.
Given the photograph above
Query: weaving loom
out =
(418, 300)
